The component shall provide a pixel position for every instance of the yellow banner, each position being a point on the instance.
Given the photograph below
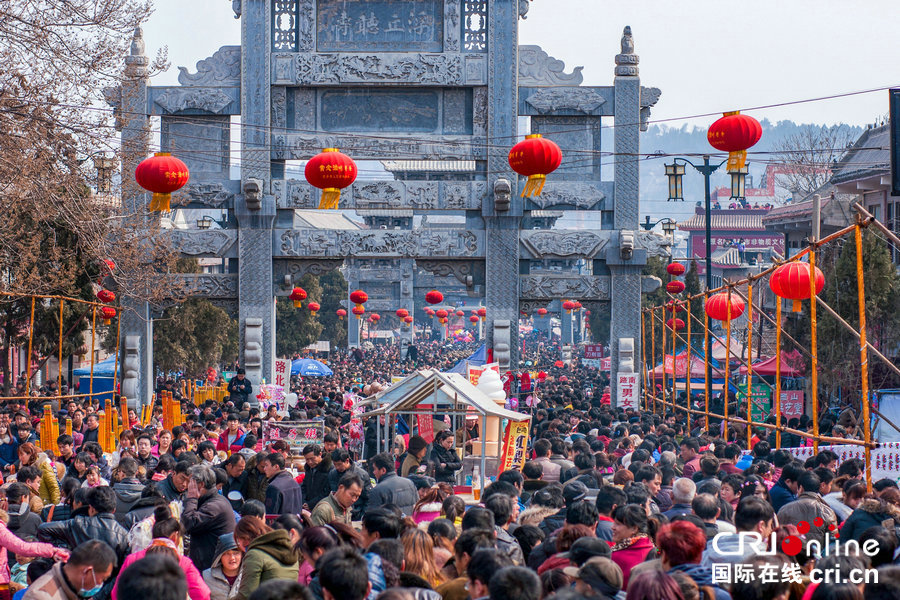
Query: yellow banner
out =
(515, 444)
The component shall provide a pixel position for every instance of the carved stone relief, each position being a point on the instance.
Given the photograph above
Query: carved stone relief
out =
(417, 195)
(203, 242)
(212, 195)
(563, 244)
(466, 272)
(253, 347)
(479, 111)
(209, 99)
(301, 147)
(287, 273)
(579, 196)
(279, 107)
(451, 26)
(221, 69)
(304, 109)
(554, 286)
(536, 67)
(131, 369)
(584, 100)
(654, 243)
(421, 68)
(316, 242)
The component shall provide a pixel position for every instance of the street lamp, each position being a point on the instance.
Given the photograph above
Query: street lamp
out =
(738, 184)
(675, 173)
(205, 222)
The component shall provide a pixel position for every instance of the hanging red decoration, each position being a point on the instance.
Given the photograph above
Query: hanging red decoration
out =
(542, 312)
(791, 281)
(434, 297)
(341, 313)
(559, 364)
(298, 295)
(330, 171)
(359, 297)
(717, 306)
(473, 319)
(313, 307)
(675, 287)
(408, 319)
(676, 324)
(535, 157)
(674, 307)
(429, 312)
(375, 317)
(161, 174)
(734, 133)
(402, 312)
(482, 313)
(577, 305)
(675, 269)
(106, 296)
(359, 310)
(569, 306)
(107, 313)
(460, 313)
(441, 313)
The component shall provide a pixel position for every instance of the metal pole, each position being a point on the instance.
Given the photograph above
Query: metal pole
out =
(814, 363)
(644, 356)
(727, 365)
(663, 327)
(863, 357)
(706, 358)
(749, 364)
(690, 364)
(653, 353)
(706, 173)
(778, 372)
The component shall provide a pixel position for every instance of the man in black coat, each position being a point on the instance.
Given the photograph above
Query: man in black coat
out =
(342, 462)
(315, 482)
(283, 495)
(391, 488)
(175, 485)
(100, 524)
(206, 516)
(240, 389)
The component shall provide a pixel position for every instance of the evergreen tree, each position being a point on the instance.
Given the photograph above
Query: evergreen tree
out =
(297, 328)
(193, 336)
(334, 293)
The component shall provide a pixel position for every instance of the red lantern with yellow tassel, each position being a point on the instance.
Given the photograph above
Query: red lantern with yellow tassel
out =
(734, 133)
(359, 297)
(341, 313)
(161, 174)
(482, 313)
(314, 307)
(717, 307)
(408, 320)
(107, 313)
(402, 313)
(535, 157)
(298, 295)
(791, 281)
(106, 296)
(359, 311)
(569, 306)
(330, 171)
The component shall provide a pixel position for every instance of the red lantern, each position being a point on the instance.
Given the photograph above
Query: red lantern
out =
(674, 307)
(717, 307)
(408, 320)
(107, 313)
(559, 364)
(441, 314)
(106, 296)
(341, 313)
(535, 157)
(434, 297)
(460, 313)
(375, 317)
(161, 174)
(676, 324)
(359, 310)
(569, 306)
(482, 312)
(473, 319)
(359, 297)
(314, 307)
(330, 171)
(298, 295)
(675, 269)
(542, 312)
(429, 312)
(675, 287)
(791, 281)
(734, 133)
(577, 305)
(402, 312)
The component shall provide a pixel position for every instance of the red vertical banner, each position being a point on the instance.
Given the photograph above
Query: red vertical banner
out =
(515, 440)
(426, 427)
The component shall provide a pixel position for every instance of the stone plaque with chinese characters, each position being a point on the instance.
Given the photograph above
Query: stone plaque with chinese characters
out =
(380, 25)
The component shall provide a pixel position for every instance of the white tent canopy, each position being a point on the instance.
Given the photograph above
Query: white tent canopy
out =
(445, 392)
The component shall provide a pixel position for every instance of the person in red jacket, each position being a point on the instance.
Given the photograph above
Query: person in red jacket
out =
(232, 439)
(631, 542)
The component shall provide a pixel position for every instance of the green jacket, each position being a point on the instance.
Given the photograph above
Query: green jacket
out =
(327, 510)
(270, 556)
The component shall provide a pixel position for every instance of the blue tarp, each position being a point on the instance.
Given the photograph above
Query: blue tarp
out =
(307, 367)
(478, 358)
(104, 368)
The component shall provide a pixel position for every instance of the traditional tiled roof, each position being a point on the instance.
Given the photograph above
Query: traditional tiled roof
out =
(727, 257)
(792, 211)
(727, 220)
(870, 155)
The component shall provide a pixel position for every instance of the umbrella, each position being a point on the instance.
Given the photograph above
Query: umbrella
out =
(308, 367)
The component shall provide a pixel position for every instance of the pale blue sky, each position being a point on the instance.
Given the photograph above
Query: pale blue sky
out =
(706, 55)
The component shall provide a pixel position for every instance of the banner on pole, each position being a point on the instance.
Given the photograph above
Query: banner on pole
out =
(426, 427)
(515, 441)
(282, 373)
(296, 433)
(792, 403)
(627, 390)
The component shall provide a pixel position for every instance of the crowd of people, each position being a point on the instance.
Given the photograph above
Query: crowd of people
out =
(610, 504)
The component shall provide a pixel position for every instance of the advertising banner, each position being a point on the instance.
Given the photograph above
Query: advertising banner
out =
(296, 433)
(515, 443)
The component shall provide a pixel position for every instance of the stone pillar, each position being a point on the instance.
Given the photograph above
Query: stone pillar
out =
(626, 274)
(353, 324)
(407, 301)
(502, 228)
(566, 328)
(138, 378)
(255, 207)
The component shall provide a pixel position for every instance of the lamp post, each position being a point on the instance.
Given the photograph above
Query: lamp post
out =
(675, 173)
(205, 222)
(668, 225)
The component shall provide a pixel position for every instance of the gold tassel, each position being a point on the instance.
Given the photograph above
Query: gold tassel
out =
(534, 186)
(160, 202)
(298, 303)
(796, 306)
(330, 199)
(736, 161)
